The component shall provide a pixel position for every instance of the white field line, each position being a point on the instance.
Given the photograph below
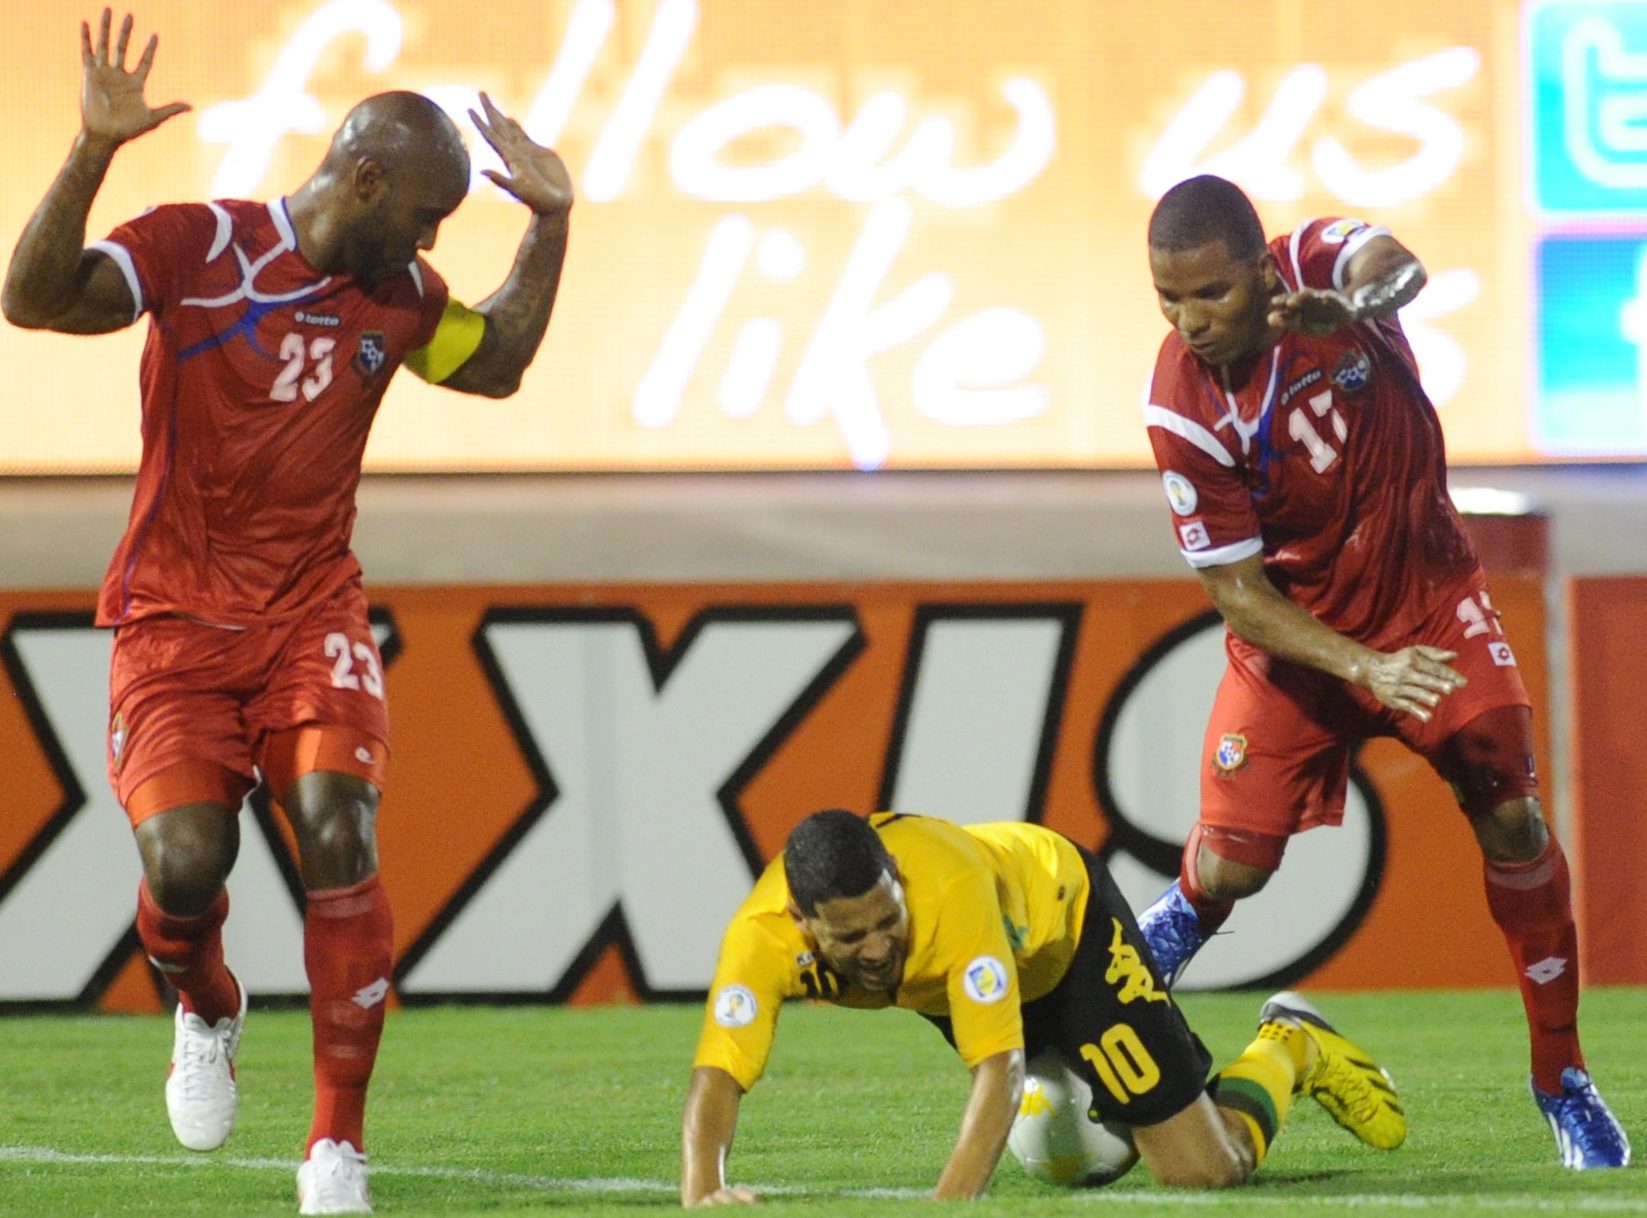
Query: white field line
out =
(1415, 1202)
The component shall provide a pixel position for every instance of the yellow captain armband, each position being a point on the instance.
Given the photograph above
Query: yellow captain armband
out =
(457, 336)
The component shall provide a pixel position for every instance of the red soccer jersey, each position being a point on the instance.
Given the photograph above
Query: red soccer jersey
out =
(1325, 456)
(260, 379)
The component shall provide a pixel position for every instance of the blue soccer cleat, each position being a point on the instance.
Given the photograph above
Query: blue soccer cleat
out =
(1586, 1132)
(1173, 931)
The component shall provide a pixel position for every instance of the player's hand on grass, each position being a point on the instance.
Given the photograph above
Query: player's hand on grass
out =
(1414, 679)
(1313, 312)
(112, 108)
(536, 175)
(728, 1196)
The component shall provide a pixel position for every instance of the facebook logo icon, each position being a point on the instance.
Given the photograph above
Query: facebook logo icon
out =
(1587, 86)
(1591, 397)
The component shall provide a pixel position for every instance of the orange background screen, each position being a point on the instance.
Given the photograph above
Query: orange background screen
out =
(817, 236)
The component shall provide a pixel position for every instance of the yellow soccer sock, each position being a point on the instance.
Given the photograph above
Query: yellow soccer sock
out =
(1258, 1086)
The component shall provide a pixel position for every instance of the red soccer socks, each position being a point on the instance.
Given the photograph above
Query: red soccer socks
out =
(189, 951)
(348, 948)
(1532, 904)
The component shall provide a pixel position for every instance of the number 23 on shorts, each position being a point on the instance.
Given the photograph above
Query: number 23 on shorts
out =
(354, 664)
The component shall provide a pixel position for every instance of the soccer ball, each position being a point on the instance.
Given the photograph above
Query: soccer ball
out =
(1055, 1139)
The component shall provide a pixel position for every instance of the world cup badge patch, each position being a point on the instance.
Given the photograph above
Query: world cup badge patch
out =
(736, 1006)
(1231, 753)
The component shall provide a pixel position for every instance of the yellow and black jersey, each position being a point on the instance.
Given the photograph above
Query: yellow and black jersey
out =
(995, 914)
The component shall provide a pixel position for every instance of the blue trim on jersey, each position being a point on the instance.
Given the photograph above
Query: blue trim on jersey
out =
(255, 312)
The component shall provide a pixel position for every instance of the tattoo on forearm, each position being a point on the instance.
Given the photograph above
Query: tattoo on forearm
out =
(48, 252)
(519, 310)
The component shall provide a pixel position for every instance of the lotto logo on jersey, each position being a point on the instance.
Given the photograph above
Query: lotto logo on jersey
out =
(1501, 654)
(1231, 753)
(1353, 372)
(1193, 535)
(985, 980)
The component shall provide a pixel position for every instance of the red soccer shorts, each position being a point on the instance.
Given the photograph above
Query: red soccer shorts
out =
(199, 712)
(1276, 757)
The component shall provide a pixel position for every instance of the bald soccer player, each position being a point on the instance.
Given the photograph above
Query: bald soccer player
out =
(242, 650)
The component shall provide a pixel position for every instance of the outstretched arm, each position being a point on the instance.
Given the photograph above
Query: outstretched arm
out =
(1381, 277)
(517, 314)
(991, 1107)
(1412, 680)
(53, 281)
(706, 1139)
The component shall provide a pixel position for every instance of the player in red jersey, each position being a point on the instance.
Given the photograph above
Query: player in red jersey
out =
(242, 648)
(1306, 474)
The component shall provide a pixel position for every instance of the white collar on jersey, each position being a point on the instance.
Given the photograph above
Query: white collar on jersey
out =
(1232, 418)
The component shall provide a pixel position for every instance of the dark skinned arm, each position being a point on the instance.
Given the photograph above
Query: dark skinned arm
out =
(517, 314)
(53, 281)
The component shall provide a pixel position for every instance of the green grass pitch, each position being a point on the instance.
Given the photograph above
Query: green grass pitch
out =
(566, 1112)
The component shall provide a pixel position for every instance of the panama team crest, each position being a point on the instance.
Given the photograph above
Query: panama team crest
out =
(117, 741)
(1231, 753)
(1353, 372)
(372, 354)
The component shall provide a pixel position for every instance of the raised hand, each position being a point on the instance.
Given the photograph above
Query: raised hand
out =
(111, 98)
(536, 175)
(1312, 311)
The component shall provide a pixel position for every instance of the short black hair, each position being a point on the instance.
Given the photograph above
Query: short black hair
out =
(1201, 210)
(833, 853)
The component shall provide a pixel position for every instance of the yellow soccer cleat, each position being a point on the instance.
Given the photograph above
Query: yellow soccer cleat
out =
(1355, 1090)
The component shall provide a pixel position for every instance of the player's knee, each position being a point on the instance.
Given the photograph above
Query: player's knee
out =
(1489, 764)
(1232, 863)
(187, 858)
(1513, 831)
(1224, 879)
(334, 817)
(340, 841)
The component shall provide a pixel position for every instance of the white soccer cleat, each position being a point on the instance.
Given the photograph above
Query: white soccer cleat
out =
(200, 1090)
(332, 1180)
